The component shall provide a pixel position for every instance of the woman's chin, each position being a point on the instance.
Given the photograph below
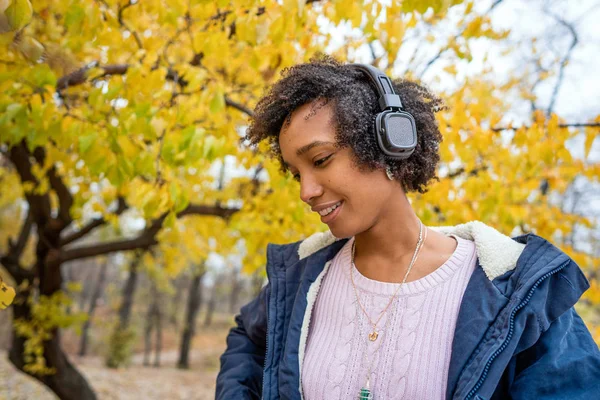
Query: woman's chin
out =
(341, 232)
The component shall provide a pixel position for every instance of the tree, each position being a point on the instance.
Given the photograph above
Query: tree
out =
(115, 110)
(191, 312)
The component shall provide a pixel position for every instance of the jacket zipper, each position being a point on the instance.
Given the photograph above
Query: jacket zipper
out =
(510, 331)
(266, 351)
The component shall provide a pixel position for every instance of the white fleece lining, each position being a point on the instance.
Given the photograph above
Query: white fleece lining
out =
(497, 252)
(311, 297)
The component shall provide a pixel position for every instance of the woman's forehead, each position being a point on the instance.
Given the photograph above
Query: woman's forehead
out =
(308, 123)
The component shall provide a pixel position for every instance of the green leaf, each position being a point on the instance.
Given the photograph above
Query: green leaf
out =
(12, 111)
(178, 197)
(207, 147)
(170, 219)
(19, 13)
(74, 16)
(42, 75)
(217, 104)
(86, 142)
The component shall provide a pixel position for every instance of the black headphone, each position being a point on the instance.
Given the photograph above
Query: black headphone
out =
(395, 128)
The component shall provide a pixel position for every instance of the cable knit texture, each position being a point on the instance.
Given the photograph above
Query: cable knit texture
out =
(413, 360)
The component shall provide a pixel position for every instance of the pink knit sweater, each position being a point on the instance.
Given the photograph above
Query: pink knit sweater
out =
(415, 347)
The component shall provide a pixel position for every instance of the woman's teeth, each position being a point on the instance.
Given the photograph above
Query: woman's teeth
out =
(328, 211)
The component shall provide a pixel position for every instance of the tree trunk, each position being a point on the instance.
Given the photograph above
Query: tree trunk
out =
(193, 305)
(66, 381)
(95, 295)
(158, 327)
(210, 306)
(129, 293)
(179, 284)
(148, 327)
(235, 291)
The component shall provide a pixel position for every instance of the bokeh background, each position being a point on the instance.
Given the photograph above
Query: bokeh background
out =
(134, 221)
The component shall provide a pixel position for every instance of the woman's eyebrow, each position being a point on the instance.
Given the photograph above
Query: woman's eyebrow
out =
(309, 146)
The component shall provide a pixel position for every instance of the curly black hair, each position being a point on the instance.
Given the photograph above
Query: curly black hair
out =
(354, 105)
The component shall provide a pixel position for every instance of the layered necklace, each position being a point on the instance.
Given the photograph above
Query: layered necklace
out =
(365, 392)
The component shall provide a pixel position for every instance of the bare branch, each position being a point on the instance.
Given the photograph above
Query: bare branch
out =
(239, 107)
(143, 241)
(443, 50)
(135, 35)
(574, 125)
(474, 172)
(93, 224)
(147, 238)
(80, 76)
(564, 61)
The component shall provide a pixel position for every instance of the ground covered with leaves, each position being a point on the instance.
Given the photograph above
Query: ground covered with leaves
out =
(136, 381)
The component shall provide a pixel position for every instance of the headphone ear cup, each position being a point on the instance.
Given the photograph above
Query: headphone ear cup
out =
(396, 134)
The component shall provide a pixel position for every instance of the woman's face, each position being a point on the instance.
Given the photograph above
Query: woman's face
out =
(348, 200)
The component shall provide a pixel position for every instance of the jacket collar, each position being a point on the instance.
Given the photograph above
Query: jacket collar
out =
(497, 252)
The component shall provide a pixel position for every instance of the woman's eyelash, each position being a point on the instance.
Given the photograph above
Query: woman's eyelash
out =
(322, 160)
(317, 163)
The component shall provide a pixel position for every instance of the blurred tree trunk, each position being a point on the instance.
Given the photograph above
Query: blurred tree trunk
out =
(149, 325)
(210, 306)
(95, 295)
(128, 292)
(235, 291)
(179, 284)
(189, 329)
(158, 336)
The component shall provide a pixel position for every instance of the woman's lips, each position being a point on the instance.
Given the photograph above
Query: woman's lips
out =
(331, 216)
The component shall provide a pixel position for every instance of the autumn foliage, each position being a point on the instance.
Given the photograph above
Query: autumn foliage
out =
(114, 110)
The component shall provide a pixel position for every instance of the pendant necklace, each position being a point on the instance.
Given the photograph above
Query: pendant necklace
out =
(365, 392)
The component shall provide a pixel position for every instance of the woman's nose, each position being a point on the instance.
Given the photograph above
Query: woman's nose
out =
(309, 189)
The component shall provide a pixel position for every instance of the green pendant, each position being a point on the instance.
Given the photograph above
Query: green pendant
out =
(365, 394)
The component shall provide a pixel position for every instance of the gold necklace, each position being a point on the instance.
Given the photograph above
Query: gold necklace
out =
(374, 333)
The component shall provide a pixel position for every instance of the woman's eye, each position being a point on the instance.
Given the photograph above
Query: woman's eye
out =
(322, 160)
(296, 177)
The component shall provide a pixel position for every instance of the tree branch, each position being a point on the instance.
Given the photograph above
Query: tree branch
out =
(65, 198)
(239, 107)
(91, 225)
(574, 125)
(10, 260)
(147, 238)
(79, 77)
(564, 61)
(135, 35)
(39, 205)
(443, 50)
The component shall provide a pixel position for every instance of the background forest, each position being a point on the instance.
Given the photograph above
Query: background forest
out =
(134, 221)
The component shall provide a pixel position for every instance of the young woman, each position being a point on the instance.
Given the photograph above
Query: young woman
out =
(382, 306)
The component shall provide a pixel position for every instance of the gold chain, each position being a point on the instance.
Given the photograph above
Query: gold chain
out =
(373, 335)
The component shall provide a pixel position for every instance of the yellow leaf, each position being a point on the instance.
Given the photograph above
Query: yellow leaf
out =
(7, 295)
(590, 136)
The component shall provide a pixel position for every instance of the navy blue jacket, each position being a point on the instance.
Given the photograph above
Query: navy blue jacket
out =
(517, 335)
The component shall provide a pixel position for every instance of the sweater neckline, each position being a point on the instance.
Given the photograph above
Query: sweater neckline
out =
(423, 284)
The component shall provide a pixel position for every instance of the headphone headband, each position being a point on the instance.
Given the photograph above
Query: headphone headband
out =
(388, 99)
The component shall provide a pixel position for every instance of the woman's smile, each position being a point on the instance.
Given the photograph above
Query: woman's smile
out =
(329, 213)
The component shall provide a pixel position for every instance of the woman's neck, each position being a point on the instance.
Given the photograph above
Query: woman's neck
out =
(384, 251)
